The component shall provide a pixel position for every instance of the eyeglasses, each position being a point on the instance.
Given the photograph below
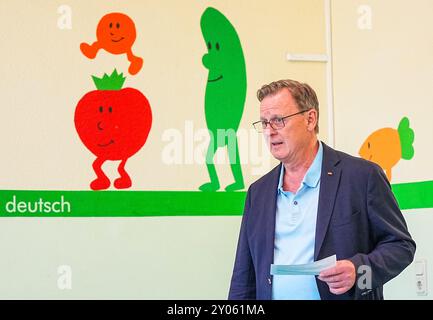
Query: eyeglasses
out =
(275, 123)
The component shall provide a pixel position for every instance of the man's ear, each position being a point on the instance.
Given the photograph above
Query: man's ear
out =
(311, 119)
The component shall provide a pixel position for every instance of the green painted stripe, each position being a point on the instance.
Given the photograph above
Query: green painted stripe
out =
(18, 203)
(120, 203)
(414, 195)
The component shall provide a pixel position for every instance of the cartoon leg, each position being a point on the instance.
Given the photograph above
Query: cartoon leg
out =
(214, 184)
(101, 182)
(136, 63)
(235, 165)
(90, 51)
(124, 181)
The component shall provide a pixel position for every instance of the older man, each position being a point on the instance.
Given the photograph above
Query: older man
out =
(318, 202)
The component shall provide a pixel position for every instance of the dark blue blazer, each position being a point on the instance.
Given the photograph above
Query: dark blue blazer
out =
(358, 219)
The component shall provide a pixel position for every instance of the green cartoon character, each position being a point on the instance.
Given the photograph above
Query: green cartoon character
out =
(225, 94)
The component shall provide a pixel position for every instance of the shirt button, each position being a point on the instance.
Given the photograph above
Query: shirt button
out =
(295, 203)
(269, 281)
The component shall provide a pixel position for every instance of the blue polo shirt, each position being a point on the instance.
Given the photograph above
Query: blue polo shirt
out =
(295, 230)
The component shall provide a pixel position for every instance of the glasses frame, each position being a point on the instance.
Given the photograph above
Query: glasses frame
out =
(270, 121)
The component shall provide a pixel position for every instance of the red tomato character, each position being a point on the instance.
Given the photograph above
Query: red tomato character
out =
(113, 123)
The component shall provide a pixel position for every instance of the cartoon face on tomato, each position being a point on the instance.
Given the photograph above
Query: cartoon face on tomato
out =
(113, 124)
(115, 32)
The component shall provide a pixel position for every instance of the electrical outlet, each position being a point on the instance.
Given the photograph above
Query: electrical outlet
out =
(421, 277)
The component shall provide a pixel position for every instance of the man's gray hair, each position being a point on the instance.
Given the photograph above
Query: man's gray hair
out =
(302, 93)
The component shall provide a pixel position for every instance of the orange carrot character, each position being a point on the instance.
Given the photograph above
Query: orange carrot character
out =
(387, 146)
(115, 34)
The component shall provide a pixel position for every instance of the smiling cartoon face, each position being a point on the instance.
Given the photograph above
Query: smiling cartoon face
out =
(225, 57)
(113, 124)
(382, 147)
(116, 33)
(227, 80)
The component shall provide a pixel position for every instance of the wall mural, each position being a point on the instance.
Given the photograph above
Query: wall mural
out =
(225, 95)
(115, 34)
(386, 147)
(113, 123)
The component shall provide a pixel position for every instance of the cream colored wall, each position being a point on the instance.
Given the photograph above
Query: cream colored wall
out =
(47, 75)
(43, 77)
(381, 75)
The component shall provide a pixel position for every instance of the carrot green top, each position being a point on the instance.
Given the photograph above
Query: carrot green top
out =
(407, 137)
(109, 82)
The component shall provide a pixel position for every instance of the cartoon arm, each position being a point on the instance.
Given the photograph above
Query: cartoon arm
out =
(90, 51)
(136, 62)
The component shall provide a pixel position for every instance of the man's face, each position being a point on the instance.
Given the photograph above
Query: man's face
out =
(286, 142)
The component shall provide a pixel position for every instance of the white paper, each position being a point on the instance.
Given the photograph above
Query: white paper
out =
(313, 268)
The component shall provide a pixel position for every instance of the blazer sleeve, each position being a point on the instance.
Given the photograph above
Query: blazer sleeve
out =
(243, 282)
(393, 247)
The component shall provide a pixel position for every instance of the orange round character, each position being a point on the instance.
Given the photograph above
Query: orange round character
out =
(115, 34)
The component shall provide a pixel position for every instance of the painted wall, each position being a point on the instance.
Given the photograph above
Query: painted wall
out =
(382, 73)
(383, 59)
(44, 75)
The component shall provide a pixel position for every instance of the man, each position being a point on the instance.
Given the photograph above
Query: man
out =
(318, 202)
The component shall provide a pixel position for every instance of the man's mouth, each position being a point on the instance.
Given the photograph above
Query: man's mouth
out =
(114, 40)
(276, 143)
(213, 80)
(106, 144)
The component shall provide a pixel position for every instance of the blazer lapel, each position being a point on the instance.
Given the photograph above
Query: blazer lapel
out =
(270, 208)
(329, 182)
(269, 212)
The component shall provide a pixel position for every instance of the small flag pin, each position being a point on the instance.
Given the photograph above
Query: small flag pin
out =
(330, 173)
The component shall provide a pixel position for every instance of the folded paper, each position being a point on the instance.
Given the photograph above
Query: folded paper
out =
(313, 268)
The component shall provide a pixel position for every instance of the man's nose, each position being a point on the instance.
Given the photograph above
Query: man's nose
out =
(269, 130)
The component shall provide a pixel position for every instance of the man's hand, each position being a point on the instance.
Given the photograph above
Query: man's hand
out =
(340, 278)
